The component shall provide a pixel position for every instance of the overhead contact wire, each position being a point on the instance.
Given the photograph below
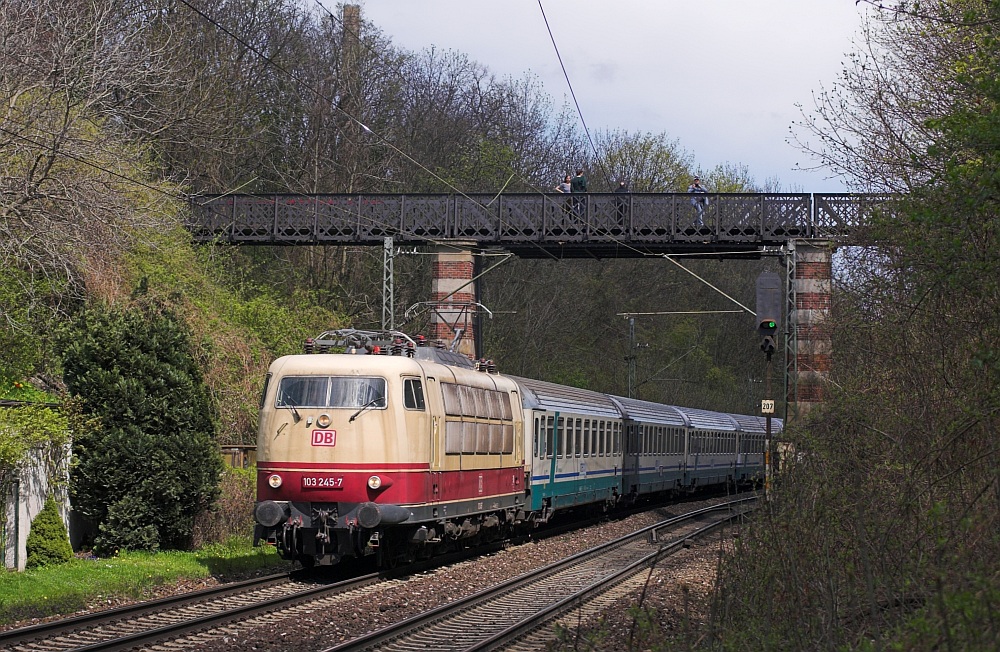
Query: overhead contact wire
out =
(572, 93)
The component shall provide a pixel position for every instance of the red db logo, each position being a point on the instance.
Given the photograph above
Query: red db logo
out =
(324, 438)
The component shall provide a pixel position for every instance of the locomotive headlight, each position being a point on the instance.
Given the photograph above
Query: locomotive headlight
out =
(323, 421)
(374, 482)
(274, 481)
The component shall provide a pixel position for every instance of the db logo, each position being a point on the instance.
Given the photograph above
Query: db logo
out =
(324, 438)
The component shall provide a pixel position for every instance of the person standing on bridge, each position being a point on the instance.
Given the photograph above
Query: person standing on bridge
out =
(565, 186)
(621, 201)
(697, 201)
(578, 186)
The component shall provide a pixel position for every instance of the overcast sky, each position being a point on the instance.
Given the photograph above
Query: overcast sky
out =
(720, 76)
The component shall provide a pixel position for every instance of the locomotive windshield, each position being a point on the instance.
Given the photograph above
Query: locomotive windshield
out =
(331, 391)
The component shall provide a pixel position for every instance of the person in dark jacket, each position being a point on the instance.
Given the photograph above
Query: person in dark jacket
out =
(621, 201)
(697, 201)
(578, 186)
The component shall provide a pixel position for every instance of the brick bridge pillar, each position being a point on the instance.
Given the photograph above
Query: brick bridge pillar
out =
(454, 295)
(810, 349)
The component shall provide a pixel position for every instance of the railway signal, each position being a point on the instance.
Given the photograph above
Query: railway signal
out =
(768, 310)
(769, 298)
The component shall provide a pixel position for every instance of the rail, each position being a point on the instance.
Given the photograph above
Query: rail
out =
(500, 613)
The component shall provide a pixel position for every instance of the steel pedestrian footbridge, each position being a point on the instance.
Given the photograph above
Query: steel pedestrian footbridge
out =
(601, 225)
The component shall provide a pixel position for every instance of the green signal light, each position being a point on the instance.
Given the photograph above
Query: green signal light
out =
(770, 324)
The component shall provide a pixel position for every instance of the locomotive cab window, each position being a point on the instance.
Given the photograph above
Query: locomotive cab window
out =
(335, 392)
(263, 394)
(413, 394)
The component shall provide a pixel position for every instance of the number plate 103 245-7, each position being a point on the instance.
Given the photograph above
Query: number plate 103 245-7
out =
(322, 482)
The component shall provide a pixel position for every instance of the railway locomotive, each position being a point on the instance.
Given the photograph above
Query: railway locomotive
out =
(373, 443)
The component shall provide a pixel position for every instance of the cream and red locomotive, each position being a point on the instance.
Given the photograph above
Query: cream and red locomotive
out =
(372, 443)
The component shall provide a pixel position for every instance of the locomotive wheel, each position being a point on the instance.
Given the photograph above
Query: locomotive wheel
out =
(387, 557)
(307, 561)
(391, 552)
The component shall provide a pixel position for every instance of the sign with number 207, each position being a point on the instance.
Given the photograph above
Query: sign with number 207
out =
(767, 406)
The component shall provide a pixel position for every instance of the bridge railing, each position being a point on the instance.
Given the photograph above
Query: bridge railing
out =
(526, 218)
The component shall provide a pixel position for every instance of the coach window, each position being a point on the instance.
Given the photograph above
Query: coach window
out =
(561, 436)
(482, 409)
(506, 412)
(578, 445)
(413, 394)
(550, 433)
(452, 398)
(586, 438)
(493, 399)
(534, 438)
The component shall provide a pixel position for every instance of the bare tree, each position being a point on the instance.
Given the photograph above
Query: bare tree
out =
(74, 192)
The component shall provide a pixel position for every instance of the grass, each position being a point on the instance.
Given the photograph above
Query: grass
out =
(64, 589)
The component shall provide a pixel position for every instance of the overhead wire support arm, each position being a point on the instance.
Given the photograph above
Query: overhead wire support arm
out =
(628, 315)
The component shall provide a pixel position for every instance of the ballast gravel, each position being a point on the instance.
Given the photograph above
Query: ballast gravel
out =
(675, 597)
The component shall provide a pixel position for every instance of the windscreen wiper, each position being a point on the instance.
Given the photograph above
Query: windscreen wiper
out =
(290, 404)
(365, 407)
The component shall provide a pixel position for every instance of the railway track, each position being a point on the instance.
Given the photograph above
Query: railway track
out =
(158, 621)
(146, 622)
(170, 623)
(495, 617)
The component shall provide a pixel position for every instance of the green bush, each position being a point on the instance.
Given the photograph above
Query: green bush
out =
(140, 478)
(48, 541)
(127, 528)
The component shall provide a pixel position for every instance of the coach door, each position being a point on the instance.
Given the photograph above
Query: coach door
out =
(435, 407)
(630, 460)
